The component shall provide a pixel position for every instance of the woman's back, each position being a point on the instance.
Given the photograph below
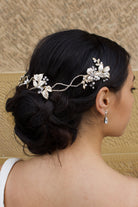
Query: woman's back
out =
(43, 182)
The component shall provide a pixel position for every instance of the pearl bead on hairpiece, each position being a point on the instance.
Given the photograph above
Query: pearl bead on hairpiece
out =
(94, 74)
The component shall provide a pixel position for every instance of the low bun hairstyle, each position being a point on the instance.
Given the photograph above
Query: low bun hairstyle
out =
(45, 126)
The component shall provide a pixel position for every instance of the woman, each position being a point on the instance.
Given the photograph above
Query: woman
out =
(77, 90)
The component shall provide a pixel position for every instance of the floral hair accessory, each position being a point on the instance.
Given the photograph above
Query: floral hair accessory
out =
(94, 73)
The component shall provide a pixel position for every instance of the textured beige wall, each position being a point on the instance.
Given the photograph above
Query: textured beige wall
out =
(24, 22)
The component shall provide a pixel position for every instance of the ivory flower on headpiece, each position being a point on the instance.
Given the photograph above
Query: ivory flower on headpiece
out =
(96, 73)
(40, 82)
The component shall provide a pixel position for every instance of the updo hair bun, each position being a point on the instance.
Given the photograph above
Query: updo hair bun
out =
(49, 125)
(40, 125)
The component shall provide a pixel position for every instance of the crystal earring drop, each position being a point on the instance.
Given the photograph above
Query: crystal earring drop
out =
(105, 118)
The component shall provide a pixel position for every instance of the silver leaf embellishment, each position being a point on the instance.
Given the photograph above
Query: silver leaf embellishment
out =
(45, 92)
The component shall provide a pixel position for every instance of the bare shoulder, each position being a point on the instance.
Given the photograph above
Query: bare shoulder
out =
(127, 190)
(133, 190)
(123, 190)
(107, 187)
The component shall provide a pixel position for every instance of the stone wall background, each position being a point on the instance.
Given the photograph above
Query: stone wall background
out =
(24, 22)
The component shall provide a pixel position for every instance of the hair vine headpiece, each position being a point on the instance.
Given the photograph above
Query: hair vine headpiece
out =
(94, 74)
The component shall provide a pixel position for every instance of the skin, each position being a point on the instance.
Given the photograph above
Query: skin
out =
(81, 178)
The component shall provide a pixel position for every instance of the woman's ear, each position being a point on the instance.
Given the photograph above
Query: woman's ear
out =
(102, 100)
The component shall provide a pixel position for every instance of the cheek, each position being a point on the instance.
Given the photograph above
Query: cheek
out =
(121, 115)
(131, 103)
(125, 110)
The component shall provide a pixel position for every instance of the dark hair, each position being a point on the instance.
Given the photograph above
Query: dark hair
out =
(47, 125)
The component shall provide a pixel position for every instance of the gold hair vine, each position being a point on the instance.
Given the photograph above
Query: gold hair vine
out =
(94, 74)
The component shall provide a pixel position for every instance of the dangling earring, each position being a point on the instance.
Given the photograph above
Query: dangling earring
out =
(105, 118)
